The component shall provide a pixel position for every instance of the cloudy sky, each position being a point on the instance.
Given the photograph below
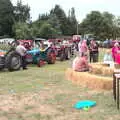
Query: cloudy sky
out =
(82, 7)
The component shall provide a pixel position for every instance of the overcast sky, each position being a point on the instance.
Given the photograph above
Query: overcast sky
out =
(82, 7)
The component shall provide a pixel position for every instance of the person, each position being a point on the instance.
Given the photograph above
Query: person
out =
(108, 59)
(79, 46)
(80, 63)
(115, 49)
(42, 45)
(93, 51)
(21, 50)
(83, 47)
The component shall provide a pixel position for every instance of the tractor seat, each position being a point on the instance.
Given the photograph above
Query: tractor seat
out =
(43, 50)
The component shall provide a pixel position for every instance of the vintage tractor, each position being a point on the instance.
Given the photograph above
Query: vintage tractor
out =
(39, 57)
(38, 53)
(63, 49)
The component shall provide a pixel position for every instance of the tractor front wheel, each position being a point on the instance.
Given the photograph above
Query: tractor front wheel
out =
(13, 61)
(41, 63)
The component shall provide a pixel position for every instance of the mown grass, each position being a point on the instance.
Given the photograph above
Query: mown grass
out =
(53, 96)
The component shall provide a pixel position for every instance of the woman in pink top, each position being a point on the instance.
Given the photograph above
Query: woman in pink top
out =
(83, 48)
(115, 53)
(80, 64)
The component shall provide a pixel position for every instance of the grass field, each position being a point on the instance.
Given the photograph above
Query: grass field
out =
(44, 94)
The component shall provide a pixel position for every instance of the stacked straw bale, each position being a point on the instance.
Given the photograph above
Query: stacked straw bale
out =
(89, 80)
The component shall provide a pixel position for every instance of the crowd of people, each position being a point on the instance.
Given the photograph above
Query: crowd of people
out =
(87, 53)
(90, 53)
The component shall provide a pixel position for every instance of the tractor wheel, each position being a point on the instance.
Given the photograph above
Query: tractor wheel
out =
(51, 57)
(40, 63)
(14, 44)
(13, 61)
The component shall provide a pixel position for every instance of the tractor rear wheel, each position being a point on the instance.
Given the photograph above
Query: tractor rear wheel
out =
(13, 61)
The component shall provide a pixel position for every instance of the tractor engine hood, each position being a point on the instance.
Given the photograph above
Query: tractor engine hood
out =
(2, 53)
(34, 51)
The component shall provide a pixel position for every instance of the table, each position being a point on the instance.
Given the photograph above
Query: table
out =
(116, 78)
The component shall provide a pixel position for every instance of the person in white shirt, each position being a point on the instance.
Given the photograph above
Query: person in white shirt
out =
(108, 58)
(20, 49)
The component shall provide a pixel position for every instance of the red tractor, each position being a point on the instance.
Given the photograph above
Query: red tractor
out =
(63, 49)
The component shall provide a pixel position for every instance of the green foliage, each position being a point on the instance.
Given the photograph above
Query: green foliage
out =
(47, 31)
(43, 17)
(21, 12)
(103, 25)
(54, 22)
(61, 16)
(72, 22)
(22, 30)
(6, 17)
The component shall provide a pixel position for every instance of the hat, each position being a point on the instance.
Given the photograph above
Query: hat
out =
(116, 44)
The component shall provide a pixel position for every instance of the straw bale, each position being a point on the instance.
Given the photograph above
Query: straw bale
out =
(89, 80)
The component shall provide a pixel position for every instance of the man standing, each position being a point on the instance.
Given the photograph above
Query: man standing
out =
(93, 51)
(20, 49)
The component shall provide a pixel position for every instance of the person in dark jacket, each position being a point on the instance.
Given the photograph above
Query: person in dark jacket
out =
(93, 51)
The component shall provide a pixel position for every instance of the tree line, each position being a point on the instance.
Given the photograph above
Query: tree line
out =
(15, 21)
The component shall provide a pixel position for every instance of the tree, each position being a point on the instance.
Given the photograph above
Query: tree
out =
(99, 24)
(109, 26)
(61, 16)
(47, 31)
(21, 12)
(72, 22)
(54, 22)
(6, 17)
(22, 30)
(43, 17)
